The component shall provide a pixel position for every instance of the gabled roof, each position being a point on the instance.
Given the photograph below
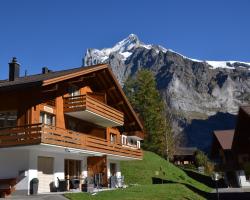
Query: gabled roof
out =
(246, 109)
(185, 151)
(225, 138)
(63, 75)
(45, 79)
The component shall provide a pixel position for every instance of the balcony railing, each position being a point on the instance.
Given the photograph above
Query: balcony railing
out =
(39, 133)
(92, 105)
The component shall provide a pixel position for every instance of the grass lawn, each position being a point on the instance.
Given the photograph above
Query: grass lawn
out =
(141, 172)
(142, 192)
(180, 186)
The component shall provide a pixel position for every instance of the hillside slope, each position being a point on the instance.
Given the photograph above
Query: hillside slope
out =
(141, 172)
(138, 175)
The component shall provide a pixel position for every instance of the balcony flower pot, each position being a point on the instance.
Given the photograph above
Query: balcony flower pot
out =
(34, 186)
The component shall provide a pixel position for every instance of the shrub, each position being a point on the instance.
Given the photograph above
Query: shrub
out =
(200, 159)
(209, 168)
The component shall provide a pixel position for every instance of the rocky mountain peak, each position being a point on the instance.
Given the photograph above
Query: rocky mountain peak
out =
(199, 93)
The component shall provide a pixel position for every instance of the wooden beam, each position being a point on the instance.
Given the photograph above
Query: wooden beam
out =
(111, 89)
(103, 82)
(106, 79)
(52, 89)
(118, 104)
(131, 124)
(82, 78)
(106, 86)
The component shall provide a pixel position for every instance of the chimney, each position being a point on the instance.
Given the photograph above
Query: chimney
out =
(14, 69)
(45, 70)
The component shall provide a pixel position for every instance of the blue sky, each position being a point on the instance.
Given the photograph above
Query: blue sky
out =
(56, 33)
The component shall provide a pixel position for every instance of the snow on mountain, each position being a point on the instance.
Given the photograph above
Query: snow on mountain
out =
(200, 94)
(126, 46)
(123, 48)
(125, 54)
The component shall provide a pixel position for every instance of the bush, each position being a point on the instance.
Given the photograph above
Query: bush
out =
(201, 159)
(190, 167)
(209, 168)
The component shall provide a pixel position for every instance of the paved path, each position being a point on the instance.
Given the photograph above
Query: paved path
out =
(39, 197)
(232, 194)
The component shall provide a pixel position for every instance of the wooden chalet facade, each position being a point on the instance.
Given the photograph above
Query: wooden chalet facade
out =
(184, 155)
(231, 151)
(65, 125)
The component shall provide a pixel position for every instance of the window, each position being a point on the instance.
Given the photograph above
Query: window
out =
(124, 139)
(133, 142)
(8, 119)
(47, 118)
(112, 138)
(138, 144)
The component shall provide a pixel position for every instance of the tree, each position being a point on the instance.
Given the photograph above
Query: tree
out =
(146, 100)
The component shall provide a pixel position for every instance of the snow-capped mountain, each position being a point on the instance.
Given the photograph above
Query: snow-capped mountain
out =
(199, 93)
(125, 49)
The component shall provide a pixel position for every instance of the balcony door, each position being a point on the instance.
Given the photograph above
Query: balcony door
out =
(113, 169)
(72, 168)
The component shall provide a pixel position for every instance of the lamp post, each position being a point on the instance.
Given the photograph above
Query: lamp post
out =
(215, 177)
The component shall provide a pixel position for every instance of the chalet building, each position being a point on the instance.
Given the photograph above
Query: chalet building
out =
(65, 125)
(231, 151)
(184, 155)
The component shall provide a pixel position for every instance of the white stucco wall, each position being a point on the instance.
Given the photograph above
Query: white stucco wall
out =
(241, 177)
(14, 164)
(58, 163)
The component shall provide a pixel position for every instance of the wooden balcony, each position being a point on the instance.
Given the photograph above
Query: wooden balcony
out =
(43, 134)
(92, 110)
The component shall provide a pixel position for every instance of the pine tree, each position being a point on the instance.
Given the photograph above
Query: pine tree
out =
(146, 100)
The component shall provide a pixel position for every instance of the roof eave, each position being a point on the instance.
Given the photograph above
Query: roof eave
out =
(74, 74)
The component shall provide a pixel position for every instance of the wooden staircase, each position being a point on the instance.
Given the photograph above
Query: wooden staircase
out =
(7, 186)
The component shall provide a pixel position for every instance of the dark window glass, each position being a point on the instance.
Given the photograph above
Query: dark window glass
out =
(8, 119)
